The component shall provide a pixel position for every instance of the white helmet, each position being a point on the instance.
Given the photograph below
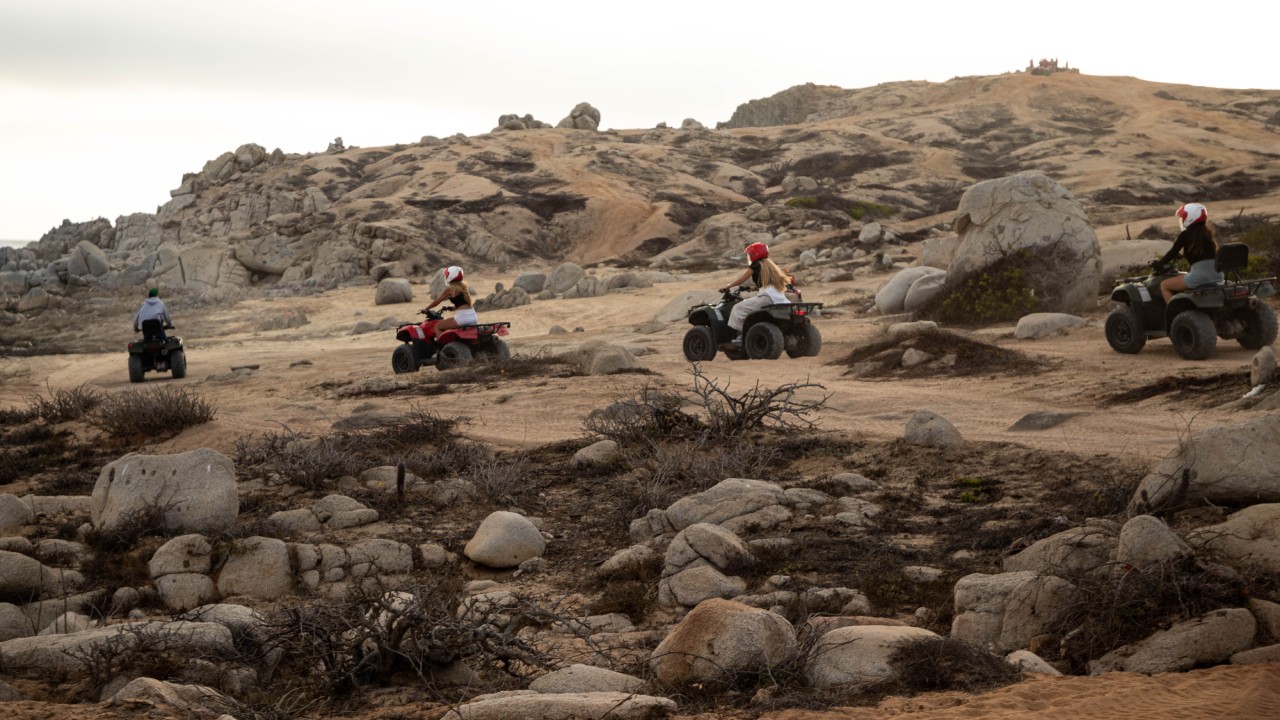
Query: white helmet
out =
(1192, 213)
(452, 274)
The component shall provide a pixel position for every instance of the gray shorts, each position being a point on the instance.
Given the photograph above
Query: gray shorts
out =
(1202, 273)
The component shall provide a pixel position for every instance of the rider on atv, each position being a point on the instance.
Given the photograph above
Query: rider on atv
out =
(772, 281)
(457, 291)
(152, 318)
(1197, 244)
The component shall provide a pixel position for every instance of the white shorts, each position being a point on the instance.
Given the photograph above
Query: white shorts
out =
(466, 316)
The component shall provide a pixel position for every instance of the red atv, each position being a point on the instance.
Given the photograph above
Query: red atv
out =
(457, 346)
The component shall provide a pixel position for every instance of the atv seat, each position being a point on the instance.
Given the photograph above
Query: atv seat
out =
(1232, 257)
(152, 331)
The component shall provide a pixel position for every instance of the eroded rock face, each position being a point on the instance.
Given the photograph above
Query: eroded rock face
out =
(1036, 224)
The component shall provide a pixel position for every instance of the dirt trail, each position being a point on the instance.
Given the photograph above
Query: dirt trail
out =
(297, 368)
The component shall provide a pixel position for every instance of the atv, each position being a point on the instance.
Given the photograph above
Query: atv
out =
(767, 333)
(1195, 318)
(155, 352)
(455, 347)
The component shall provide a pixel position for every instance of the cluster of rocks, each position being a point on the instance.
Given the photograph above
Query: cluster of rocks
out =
(1028, 220)
(583, 116)
(699, 551)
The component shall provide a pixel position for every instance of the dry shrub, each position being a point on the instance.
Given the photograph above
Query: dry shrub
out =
(330, 647)
(156, 413)
(933, 664)
(1118, 605)
(66, 405)
(651, 416)
(142, 522)
(663, 473)
(424, 442)
(654, 416)
(498, 478)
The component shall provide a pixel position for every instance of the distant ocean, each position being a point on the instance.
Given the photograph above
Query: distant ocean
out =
(16, 243)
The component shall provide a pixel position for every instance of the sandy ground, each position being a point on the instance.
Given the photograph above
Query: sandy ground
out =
(284, 390)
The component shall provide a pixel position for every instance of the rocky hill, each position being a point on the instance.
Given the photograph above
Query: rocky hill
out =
(806, 165)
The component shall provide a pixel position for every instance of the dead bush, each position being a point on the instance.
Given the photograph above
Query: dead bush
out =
(140, 523)
(16, 416)
(651, 416)
(310, 462)
(331, 647)
(157, 413)
(498, 478)
(731, 415)
(66, 405)
(663, 473)
(1115, 608)
(1119, 605)
(934, 664)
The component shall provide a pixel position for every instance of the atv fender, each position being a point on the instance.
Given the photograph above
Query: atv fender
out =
(1130, 294)
(703, 316)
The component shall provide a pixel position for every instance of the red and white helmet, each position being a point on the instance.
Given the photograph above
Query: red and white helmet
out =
(757, 251)
(452, 274)
(1192, 213)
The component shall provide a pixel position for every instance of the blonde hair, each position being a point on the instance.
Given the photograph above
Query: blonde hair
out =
(773, 276)
(460, 286)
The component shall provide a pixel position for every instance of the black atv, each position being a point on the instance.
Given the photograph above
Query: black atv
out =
(1196, 318)
(767, 333)
(156, 352)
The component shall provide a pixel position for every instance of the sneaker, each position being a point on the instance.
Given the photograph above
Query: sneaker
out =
(736, 342)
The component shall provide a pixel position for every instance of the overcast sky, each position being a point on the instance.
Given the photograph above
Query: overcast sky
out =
(104, 104)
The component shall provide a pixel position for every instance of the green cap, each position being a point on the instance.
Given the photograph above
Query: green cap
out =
(153, 292)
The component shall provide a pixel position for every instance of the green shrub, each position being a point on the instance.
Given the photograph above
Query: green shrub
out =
(803, 201)
(860, 210)
(1263, 239)
(1002, 293)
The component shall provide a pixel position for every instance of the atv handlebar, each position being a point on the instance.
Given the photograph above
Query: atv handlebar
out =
(433, 314)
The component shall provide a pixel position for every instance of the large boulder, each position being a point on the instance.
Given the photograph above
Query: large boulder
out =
(257, 567)
(1223, 464)
(583, 116)
(1003, 612)
(1248, 539)
(504, 540)
(1078, 549)
(892, 296)
(859, 655)
(719, 638)
(597, 357)
(63, 653)
(564, 277)
(928, 429)
(1208, 639)
(392, 291)
(727, 499)
(88, 259)
(14, 514)
(191, 492)
(1036, 224)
